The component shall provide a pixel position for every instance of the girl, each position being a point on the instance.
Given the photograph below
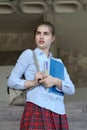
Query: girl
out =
(44, 108)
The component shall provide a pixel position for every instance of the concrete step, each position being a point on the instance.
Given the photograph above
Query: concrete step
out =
(77, 115)
(10, 116)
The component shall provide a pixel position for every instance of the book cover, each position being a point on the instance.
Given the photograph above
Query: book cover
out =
(56, 70)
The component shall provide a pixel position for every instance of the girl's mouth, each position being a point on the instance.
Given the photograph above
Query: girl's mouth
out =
(41, 42)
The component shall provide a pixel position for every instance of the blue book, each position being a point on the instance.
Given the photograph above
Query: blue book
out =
(56, 70)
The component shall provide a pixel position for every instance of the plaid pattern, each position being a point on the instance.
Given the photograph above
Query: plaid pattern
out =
(37, 118)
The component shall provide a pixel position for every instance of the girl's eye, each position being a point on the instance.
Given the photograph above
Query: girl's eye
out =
(46, 33)
(37, 32)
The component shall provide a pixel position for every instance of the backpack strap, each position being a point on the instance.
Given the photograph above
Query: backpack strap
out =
(36, 61)
(37, 68)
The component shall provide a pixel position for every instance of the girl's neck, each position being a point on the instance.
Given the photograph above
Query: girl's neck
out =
(47, 53)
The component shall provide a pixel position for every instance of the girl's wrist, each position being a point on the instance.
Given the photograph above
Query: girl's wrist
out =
(58, 83)
(34, 83)
(30, 83)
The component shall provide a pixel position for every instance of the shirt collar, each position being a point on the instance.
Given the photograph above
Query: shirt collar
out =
(38, 51)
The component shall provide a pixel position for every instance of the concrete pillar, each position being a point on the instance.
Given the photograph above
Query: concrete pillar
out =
(50, 17)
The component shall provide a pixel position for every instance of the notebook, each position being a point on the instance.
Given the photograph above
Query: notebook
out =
(56, 70)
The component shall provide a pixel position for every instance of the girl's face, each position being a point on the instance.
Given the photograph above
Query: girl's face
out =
(44, 37)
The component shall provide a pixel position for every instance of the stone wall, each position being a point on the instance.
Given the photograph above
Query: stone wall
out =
(16, 41)
(12, 44)
(76, 63)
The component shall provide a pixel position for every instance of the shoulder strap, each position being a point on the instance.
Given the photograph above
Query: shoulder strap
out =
(38, 69)
(36, 61)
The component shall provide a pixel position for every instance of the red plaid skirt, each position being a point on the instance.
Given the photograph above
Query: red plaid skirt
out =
(37, 118)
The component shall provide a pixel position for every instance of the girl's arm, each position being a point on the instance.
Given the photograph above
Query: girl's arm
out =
(65, 85)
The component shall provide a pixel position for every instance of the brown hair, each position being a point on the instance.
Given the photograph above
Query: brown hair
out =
(47, 24)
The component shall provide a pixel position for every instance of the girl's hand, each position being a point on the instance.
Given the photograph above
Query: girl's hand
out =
(31, 83)
(35, 82)
(38, 76)
(49, 81)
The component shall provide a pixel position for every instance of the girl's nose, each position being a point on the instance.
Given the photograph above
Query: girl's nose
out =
(41, 36)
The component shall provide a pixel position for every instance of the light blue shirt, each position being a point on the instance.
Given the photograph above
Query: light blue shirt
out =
(39, 95)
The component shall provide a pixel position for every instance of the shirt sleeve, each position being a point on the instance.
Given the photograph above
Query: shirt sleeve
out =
(14, 80)
(67, 85)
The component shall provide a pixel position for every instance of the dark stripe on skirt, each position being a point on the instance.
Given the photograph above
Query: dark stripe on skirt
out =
(37, 118)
